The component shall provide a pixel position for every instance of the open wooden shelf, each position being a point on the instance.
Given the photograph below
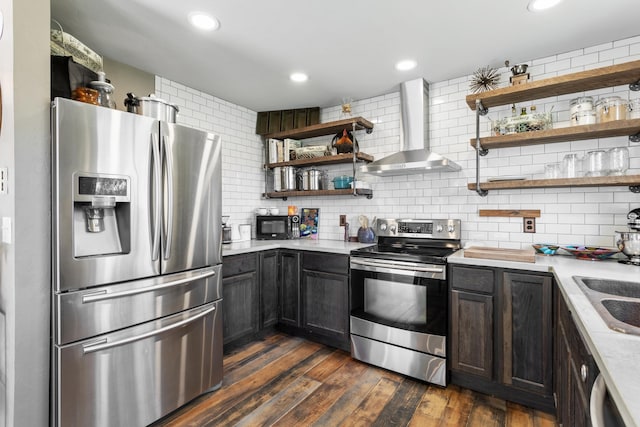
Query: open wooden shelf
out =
(325, 160)
(600, 181)
(323, 129)
(572, 133)
(300, 193)
(614, 75)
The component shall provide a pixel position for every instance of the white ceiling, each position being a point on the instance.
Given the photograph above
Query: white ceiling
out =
(347, 47)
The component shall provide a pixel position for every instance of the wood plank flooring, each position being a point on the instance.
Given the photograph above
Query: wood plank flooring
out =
(288, 381)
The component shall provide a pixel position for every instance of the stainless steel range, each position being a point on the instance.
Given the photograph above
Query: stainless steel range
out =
(399, 297)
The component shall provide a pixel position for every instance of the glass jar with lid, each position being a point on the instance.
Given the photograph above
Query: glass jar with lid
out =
(583, 103)
(105, 91)
(611, 108)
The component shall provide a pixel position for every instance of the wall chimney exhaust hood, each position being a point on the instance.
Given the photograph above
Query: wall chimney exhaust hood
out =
(414, 156)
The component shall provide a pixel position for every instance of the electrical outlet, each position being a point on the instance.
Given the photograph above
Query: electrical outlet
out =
(343, 220)
(529, 225)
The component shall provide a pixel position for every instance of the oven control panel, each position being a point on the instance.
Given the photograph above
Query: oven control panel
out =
(419, 228)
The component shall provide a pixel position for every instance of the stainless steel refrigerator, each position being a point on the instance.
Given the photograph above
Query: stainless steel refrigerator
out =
(137, 296)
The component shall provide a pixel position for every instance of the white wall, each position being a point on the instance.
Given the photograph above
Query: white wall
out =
(25, 274)
(574, 215)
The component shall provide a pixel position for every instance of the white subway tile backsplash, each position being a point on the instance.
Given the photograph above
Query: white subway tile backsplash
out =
(568, 215)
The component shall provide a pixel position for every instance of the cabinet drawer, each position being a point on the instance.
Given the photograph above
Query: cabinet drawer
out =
(239, 264)
(326, 262)
(472, 279)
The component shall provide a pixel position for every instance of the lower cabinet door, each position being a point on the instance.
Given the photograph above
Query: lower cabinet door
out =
(137, 375)
(527, 332)
(268, 288)
(240, 295)
(326, 305)
(472, 333)
(289, 312)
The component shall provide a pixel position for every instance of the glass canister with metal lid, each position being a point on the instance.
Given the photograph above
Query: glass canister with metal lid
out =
(611, 108)
(582, 111)
(582, 103)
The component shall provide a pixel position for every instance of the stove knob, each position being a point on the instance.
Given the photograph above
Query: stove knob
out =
(383, 227)
(439, 228)
(392, 229)
(451, 229)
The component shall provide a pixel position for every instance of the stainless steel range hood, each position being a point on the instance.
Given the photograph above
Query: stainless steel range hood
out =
(414, 155)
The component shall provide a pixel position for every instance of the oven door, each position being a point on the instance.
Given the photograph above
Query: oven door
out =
(399, 317)
(402, 295)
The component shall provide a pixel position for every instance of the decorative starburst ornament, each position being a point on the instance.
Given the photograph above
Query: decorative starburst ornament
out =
(484, 78)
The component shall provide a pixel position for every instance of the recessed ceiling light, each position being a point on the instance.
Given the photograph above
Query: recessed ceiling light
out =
(204, 21)
(299, 77)
(538, 5)
(406, 65)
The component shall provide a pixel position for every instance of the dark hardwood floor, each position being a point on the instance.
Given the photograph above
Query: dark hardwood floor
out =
(288, 381)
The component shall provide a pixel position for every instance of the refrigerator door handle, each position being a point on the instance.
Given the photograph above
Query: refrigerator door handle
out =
(103, 344)
(168, 162)
(104, 295)
(157, 195)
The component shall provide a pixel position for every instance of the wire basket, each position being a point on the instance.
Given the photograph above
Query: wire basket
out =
(312, 151)
(524, 123)
(64, 44)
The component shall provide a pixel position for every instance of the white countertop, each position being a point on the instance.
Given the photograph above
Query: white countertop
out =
(617, 354)
(334, 246)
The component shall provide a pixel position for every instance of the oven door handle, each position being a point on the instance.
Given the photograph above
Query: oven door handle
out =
(395, 267)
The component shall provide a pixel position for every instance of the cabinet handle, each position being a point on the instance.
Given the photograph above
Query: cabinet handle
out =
(584, 372)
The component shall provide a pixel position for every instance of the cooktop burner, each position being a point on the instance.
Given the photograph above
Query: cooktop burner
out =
(414, 240)
(412, 254)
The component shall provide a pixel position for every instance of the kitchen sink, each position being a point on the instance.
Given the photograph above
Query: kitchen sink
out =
(612, 287)
(625, 311)
(616, 301)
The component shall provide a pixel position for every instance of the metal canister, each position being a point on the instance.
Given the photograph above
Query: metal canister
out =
(288, 178)
(311, 179)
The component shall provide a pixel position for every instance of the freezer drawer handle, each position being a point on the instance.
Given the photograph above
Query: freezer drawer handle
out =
(104, 345)
(103, 295)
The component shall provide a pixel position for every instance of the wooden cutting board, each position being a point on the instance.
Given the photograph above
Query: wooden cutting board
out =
(521, 255)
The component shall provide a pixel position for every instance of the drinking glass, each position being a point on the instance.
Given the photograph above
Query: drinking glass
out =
(571, 166)
(552, 170)
(618, 160)
(596, 163)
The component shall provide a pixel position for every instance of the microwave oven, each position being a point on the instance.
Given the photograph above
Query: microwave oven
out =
(277, 227)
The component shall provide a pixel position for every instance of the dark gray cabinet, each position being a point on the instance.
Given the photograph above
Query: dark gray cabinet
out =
(325, 294)
(289, 313)
(472, 321)
(314, 296)
(527, 332)
(300, 292)
(575, 370)
(501, 333)
(240, 290)
(269, 288)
